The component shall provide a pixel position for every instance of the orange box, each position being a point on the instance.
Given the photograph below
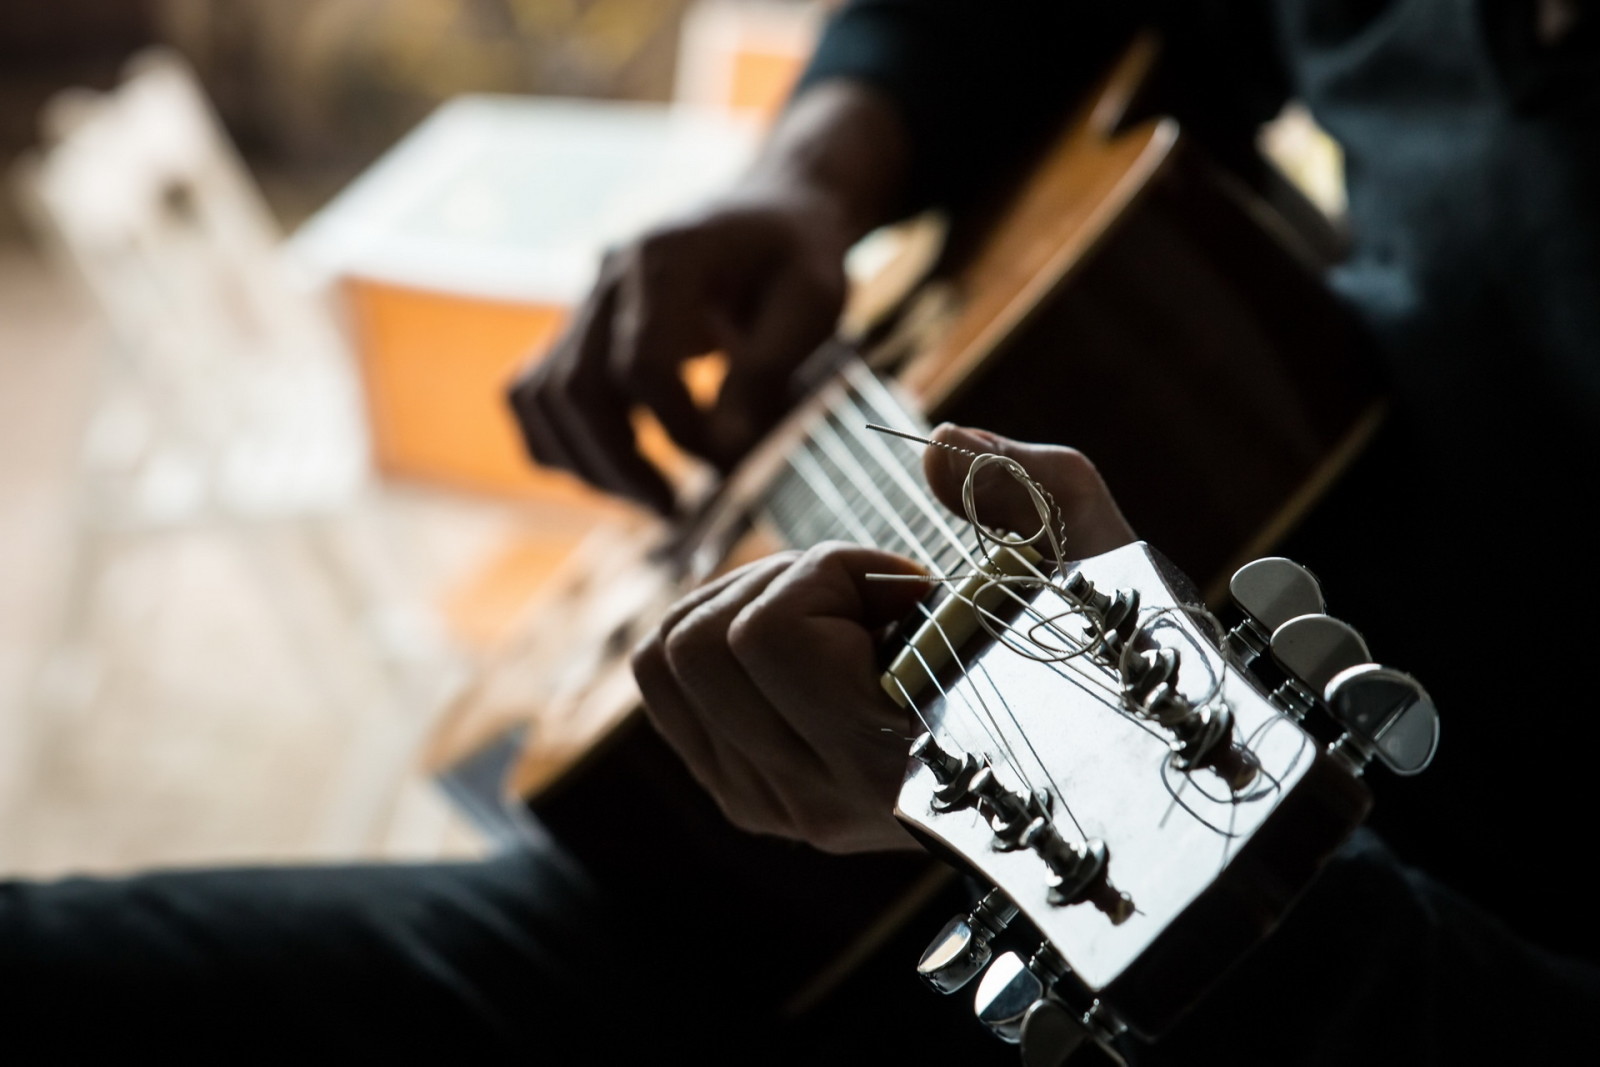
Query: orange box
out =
(460, 253)
(434, 367)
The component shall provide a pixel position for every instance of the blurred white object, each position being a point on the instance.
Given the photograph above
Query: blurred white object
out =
(516, 198)
(245, 386)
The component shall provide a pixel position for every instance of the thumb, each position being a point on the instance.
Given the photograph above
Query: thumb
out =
(1091, 522)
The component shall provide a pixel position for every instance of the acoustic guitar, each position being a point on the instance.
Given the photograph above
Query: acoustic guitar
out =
(1134, 299)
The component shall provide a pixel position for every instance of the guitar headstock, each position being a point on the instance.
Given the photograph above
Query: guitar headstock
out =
(1139, 785)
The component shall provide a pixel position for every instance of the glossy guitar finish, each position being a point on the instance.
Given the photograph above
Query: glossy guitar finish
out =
(1208, 870)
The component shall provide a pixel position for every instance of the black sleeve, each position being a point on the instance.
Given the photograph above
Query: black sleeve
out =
(1380, 964)
(977, 83)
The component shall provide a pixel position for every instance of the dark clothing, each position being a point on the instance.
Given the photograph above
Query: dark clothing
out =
(1458, 545)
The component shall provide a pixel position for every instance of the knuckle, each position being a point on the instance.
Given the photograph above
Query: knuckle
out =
(682, 644)
(753, 630)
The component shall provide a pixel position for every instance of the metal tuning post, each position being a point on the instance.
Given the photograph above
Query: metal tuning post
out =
(1201, 737)
(1311, 649)
(953, 773)
(1009, 813)
(1386, 714)
(1117, 613)
(1078, 872)
(963, 947)
(1269, 592)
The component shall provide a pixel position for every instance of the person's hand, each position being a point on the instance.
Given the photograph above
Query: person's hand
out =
(757, 276)
(766, 681)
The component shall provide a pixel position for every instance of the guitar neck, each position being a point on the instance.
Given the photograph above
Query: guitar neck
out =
(843, 481)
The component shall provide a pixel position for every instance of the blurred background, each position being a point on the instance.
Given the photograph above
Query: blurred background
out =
(264, 268)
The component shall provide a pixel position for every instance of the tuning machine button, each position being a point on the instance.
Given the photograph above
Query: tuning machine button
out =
(1269, 592)
(963, 947)
(1010, 987)
(1311, 649)
(1386, 714)
(1051, 1033)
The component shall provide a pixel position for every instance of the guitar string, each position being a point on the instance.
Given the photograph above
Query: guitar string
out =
(914, 495)
(835, 445)
(1083, 678)
(1047, 510)
(1027, 739)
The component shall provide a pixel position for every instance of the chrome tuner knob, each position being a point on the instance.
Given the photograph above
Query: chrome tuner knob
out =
(1051, 1033)
(1312, 649)
(962, 948)
(1387, 714)
(1006, 992)
(1010, 987)
(1270, 592)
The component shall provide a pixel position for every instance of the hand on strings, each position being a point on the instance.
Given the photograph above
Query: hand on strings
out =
(757, 276)
(767, 680)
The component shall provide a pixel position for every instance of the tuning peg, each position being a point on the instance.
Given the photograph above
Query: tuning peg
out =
(1387, 714)
(953, 773)
(1051, 1033)
(1312, 649)
(962, 948)
(1270, 592)
(1010, 987)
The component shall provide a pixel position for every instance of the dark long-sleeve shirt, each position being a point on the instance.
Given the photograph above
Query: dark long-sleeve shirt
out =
(1471, 137)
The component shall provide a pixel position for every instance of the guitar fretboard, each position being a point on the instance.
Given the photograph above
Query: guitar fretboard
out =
(846, 482)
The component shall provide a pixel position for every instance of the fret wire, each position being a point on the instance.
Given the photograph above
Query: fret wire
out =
(869, 488)
(875, 445)
(816, 479)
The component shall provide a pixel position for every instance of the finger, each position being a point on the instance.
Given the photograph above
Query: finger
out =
(1091, 522)
(740, 715)
(591, 417)
(826, 607)
(723, 725)
(795, 315)
(745, 797)
(539, 436)
(658, 328)
(654, 675)
(775, 563)
(824, 610)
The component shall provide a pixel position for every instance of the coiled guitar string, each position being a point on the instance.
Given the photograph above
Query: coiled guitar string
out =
(1031, 643)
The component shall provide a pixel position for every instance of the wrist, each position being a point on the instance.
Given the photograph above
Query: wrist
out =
(840, 148)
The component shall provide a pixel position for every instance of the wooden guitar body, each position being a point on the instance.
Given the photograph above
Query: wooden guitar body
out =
(1129, 299)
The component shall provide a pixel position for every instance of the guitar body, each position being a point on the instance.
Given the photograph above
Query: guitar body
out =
(1127, 298)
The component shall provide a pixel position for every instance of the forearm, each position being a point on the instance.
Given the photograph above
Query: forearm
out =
(843, 144)
(972, 85)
